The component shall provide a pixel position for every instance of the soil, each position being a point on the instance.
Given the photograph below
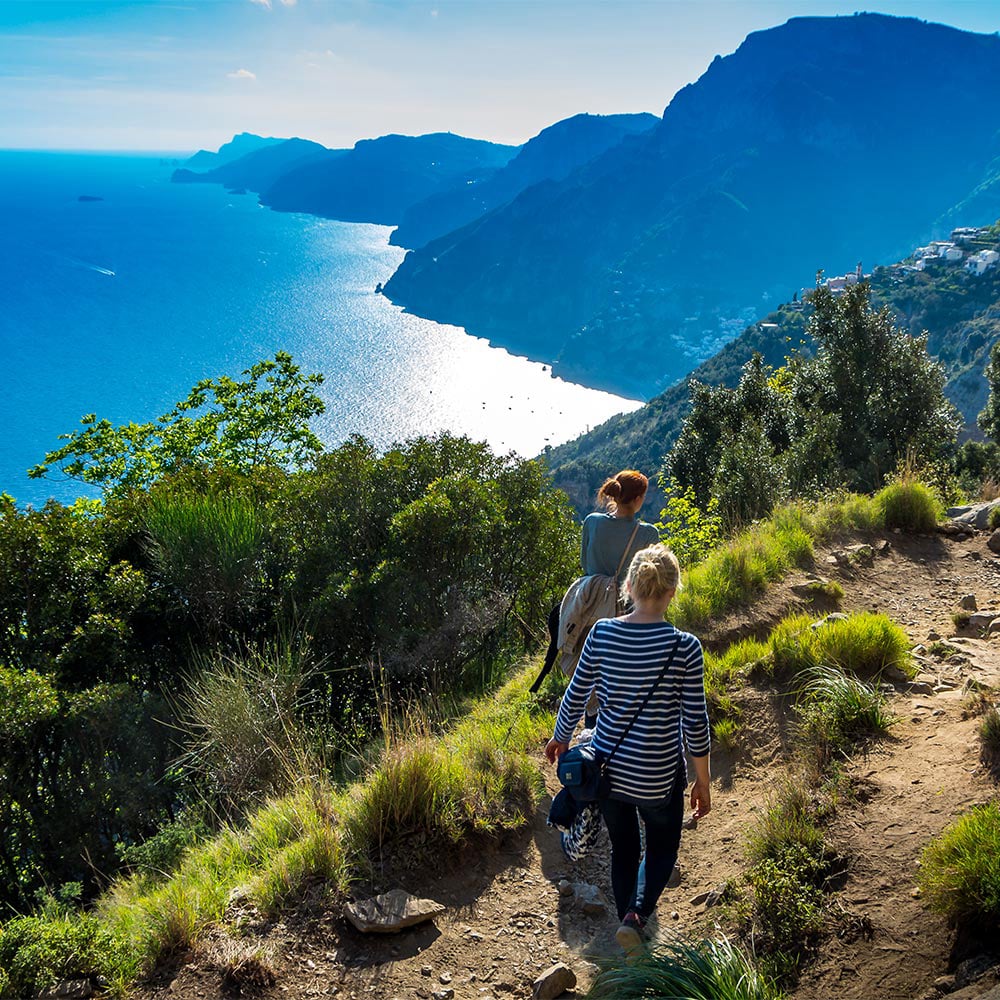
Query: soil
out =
(506, 920)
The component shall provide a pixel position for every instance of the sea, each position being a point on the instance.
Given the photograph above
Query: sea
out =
(120, 290)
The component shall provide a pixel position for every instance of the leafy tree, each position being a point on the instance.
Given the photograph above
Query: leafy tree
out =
(989, 418)
(867, 399)
(262, 420)
(887, 393)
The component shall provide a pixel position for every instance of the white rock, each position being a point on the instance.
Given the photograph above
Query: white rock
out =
(390, 912)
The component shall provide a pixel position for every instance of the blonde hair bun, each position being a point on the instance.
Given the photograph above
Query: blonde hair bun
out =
(653, 572)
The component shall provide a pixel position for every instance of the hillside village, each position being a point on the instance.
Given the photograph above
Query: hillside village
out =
(974, 248)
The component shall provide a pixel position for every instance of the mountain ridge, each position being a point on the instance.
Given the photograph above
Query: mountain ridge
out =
(640, 263)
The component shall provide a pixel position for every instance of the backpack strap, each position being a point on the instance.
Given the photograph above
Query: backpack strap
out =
(628, 545)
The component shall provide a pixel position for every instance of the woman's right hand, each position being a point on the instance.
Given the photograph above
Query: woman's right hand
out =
(554, 750)
(701, 798)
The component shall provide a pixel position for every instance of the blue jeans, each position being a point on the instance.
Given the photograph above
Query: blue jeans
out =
(638, 880)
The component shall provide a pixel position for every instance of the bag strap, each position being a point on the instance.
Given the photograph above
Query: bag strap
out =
(628, 545)
(645, 701)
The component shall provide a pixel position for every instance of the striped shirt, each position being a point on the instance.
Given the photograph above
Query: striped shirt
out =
(623, 659)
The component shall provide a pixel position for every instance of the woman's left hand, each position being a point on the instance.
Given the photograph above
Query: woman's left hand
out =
(554, 750)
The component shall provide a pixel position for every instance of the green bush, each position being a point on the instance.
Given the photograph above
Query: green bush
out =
(787, 909)
(156, 857)
(789, 865)
(690, 532)
(79, 772)
(909, 506)
(960, 869)
(39, 952)
(707, 970)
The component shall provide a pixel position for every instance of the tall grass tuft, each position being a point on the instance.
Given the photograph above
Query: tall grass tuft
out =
(989, 739)
(909, 506)
(706, 970)
(788, 820)
(960, 869)
(475, 777)
(838, 710)
(864, 644)
(209, 548)
(242, 718)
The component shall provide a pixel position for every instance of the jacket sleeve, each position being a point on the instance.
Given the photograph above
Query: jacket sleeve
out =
(575, 699)
(694, 710)
(584, 545)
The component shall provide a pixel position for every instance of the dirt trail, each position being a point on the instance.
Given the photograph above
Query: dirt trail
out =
(506, 920)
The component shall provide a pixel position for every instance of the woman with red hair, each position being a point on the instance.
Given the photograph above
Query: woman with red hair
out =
(606, 533)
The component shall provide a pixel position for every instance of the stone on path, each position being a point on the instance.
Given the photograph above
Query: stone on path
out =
(993, 542)
(968, 603)
(975, 515)
(711, 896)
(590, 899)
(553, 982)
(68, 989)
(390, 912)
(982, 619)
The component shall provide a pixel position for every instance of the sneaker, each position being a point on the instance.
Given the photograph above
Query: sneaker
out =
(629, 935)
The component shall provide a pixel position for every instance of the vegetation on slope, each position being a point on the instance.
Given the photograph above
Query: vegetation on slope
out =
(225, 534)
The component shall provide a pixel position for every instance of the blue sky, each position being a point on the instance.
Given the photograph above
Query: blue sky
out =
(183, 74)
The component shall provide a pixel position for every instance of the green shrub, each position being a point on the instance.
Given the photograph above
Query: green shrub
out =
(787, 908)
(79, 771)
(909, 506)
(690, 532)
(960, 869)
(993, 519)
(789, 865)
(707, 970)
(159, 855)
(39, 952)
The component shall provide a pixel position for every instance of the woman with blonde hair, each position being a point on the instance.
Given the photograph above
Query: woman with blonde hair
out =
(649, 678)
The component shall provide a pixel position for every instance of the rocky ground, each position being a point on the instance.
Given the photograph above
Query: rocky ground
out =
(511, 914)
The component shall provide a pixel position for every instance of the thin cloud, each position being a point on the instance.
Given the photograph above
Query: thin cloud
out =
(262, 3)
(289, 3)
(242, 74)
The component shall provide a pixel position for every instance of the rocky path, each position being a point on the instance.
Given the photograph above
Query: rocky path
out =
(506, 919)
